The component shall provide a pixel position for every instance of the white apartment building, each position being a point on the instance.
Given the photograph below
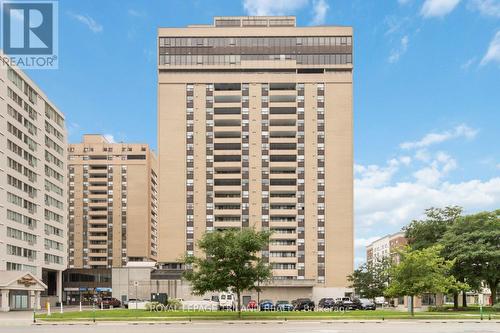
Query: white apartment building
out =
(33, 194)
(383, 247)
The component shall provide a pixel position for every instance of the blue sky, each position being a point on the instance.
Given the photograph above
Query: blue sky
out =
(426, 91)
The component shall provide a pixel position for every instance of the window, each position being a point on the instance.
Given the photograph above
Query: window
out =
(53, 115)
(11, 266)
(21, 252)
(53, 259)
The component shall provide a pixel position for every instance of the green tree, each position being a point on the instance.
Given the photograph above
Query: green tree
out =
(370, 280)
(421, 271)
(230, 262)
(428, 232)
(474, 243)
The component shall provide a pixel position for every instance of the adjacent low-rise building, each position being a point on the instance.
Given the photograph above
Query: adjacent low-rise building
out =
(385, 247)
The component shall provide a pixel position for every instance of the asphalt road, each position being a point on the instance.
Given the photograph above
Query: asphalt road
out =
(252, 327)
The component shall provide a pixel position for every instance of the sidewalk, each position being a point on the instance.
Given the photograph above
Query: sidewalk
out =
(16, 318)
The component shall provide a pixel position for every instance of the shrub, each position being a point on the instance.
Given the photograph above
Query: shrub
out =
(151, 306)
(174, 304)
(495, 308)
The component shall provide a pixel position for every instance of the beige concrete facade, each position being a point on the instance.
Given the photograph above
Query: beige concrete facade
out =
(255, 130)
(112, 203)
(33, 192)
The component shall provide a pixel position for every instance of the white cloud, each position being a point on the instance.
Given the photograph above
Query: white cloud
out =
(486, 7)
(272, 7)
(437, 169)
(438, 8)
(398, 52)
(493, 53)
(396, 24)
(136, 13)
(320, 8)
(397, 204)
(388, 196)
(364, 242)
(375, 176)
(466, 65)
(92, 24)
(110, 138)
(433, 138)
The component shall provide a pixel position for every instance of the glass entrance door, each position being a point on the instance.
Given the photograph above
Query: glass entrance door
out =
(19, 300)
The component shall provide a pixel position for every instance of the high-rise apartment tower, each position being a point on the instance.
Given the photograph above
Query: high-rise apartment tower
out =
(112, 203)
(33, 193)
(255, 130)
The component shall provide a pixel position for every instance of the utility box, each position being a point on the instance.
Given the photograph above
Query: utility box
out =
(160, 298)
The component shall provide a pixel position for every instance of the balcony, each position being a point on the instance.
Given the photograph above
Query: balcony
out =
(287, 147)
(229, 131)
(286, 134)
(231, 122)
(283, 247)
(285, 272)
(223, 154)
(226, 111)
(276, 235)
(283, 212)
(283, 259)
(235, 134)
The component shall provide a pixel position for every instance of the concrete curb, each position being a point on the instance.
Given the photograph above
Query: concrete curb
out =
(253, 322)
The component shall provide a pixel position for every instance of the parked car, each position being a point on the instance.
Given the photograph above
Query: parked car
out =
(303, 304)
(326, 303)
(345, 303)
(131, 300)
(252, 304)
(283, 306)
(109, 302)
(266, 305)
(364, 304)
(226, 301)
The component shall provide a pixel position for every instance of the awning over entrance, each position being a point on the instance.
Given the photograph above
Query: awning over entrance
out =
(20, 290)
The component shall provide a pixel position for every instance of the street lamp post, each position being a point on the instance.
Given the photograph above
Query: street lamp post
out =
(136, 284)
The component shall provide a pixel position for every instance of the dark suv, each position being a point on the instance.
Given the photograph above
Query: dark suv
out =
(303, 304)
(326, 303)
(345, 303)
(364, 304)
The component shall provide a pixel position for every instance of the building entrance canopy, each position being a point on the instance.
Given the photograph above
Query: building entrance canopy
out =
(20, 290)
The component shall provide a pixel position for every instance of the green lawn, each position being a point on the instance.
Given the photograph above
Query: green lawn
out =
(132, 315)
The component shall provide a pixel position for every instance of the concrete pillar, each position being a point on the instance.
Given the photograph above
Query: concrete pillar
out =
(32, 299)
(59, 286)
(37, 300)
(5, 300)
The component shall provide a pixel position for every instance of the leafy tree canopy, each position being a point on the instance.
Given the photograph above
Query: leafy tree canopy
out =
(427, 232)
(419, 272)
(371, 279)
(230, 262)
(474, 243)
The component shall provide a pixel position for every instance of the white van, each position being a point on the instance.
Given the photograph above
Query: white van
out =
(226, 301)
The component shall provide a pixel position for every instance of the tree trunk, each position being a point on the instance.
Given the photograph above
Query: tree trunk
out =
(464, 299)
(455, 300)
(493, 289)
(412, 306)
(238, 295)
